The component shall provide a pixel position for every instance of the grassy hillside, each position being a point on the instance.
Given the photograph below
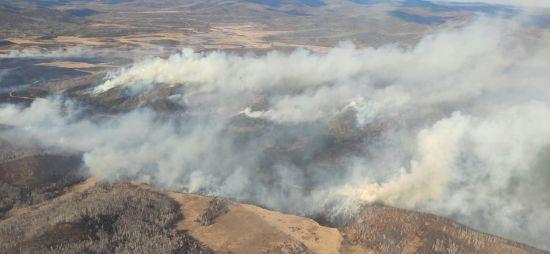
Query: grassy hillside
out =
(16, 21)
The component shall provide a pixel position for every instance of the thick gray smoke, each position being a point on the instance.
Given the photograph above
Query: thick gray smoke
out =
(458, 125)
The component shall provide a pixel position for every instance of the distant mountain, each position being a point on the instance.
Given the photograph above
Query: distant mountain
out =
(55, 3)
(278, 3)
(446, 7)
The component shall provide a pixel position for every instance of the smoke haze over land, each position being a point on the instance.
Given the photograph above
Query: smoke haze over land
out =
(457, 125)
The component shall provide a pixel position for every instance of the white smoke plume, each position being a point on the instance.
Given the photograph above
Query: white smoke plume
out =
(36, 52)
(86, 52)
(458, 125)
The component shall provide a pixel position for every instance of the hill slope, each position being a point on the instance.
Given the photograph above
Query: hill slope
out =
(95, 217)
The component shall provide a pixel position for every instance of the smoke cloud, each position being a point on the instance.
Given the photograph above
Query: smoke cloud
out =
(458, 125)
(42, 53)
(83, 52)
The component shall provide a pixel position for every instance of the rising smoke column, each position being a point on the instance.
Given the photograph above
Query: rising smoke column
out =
(457, 125)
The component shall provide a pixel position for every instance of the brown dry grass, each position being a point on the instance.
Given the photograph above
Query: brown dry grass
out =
(250, 229)
(80, 41)
(69, 64)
